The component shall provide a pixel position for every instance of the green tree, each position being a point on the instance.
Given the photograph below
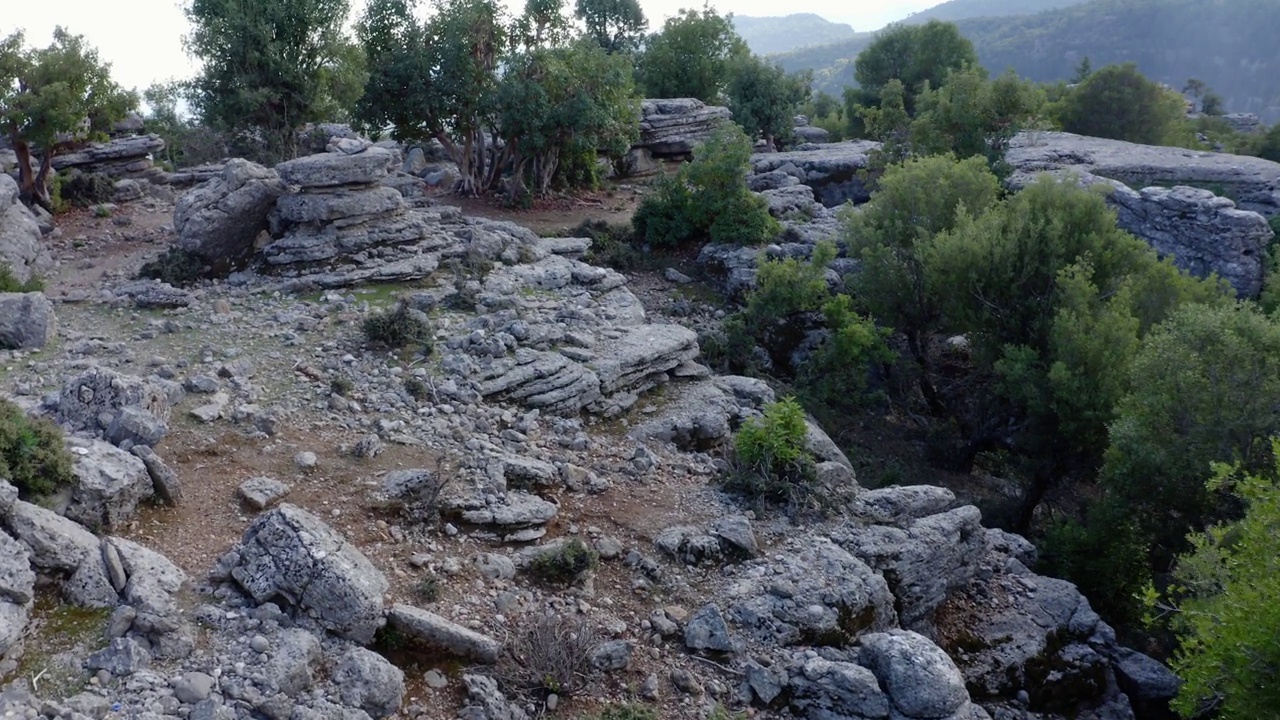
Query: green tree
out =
(52, 98)
(971, 116)
(824, 105)
(616, 25)
(342, 81)
(919, 56)
(264, 66)
(763, 98)
(708, 198)
(1118, 102)
(1226, 616)
(1083, 71)
(1270, 147)
(1206, 388)
(691, 56)
(438, 80)
(556, 100)
(887, 122)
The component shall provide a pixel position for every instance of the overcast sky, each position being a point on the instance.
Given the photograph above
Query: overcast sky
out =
(144, 42)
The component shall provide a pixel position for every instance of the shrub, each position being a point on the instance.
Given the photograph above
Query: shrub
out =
(627, 711)
(772, 462)
(177, 267)
(836, 376)
(87, 189)
(564, 565)
(1105, 556)
(417, 388)
(787, 287)
(33, 455)
(8, 283)
(341, 385)
(611, 245)
(708, 198)
(428, 588)
(550, 654)
(102, 211)
(399, 327)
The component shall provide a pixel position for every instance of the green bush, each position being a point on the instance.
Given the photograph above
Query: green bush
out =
(428, 588)
(177, 267)
(836, 376)
(708, 198)
(627, 711)
(33, 455)
(564, 565)
(612, 246)
(8, 283)
(1105, 556)
(87, 189)
(772, 462)
(399, 327)
(787, 287)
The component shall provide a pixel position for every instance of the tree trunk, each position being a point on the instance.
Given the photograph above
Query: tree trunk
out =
(33, 189)
(42, 196)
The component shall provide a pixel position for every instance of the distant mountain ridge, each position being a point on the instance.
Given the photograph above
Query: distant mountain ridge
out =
(1229, 44)
(770, 35)
(964, 9)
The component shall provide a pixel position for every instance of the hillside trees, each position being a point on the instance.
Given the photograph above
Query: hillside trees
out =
(918, 56)
(763, 98)
(51, 98)
(969, 115)
(691, 56)
(1118, 102)
(617, 26)
(468, 76)
(264, 66)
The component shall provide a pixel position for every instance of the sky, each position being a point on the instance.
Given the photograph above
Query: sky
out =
(144, 45)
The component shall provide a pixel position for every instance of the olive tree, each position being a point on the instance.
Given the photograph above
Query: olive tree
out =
(52, 98)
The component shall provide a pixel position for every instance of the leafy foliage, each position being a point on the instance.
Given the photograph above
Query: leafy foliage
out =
(264, 67)
(617, 26)
(187, 142)
(85, 189)
(691, 56)
(33, 455)
(763, 98)
(1226, 615)
(707, 198)
(919, 56)
(971, 116)
(399, 327)
(51, 98)
(1118, 102)
(176, 267)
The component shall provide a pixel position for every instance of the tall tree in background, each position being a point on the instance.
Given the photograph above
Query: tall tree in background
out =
(763, 98)
(1118, 102)
(52, 98)
(264, 65)
(691, 56)
(919, 56)
(616, 25)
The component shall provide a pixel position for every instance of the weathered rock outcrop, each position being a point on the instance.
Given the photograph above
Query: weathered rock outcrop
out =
(674, 126)
(110, 483)
(831, 171)
(290, 556)
(99, 399)
(26, 321)
(21, 246)
(130, 156)
(220, 220)
(1253, 183)
(342, 209)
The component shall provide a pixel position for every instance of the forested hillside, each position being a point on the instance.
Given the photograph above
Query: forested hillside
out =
(1229, 44)
(768, 35)
(965, 9)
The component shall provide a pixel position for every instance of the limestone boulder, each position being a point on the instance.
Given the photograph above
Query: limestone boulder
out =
(26, 321)
(219, 220)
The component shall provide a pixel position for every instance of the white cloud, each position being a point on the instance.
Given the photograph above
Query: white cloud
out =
(143, 43)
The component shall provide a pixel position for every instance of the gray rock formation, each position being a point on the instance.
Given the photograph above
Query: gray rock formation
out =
(53, 542)
(291, 556)
(367, 681)
(93, 400)
(109, 484)
(130, 156)
(220, 220)
(832, 170)
(1204, 233)
(1253, 183)
(26, 321)
(674, 126)
(431, 630)
(919, 678)
(21, 244)
(811, 134)
(342, 209)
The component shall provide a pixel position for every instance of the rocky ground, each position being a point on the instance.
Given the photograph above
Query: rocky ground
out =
(329, 529)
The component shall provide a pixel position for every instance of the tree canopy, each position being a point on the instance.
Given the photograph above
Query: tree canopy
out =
(52, 98)
(691, 56)
(919, 56)
(264, 66)
(618, 26)
(1118, 102)
(763, 98)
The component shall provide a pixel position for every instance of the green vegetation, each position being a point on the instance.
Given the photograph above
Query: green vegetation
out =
(33, 455)
(691, 56)
(565, 565)
(428, 588)
(1117, 102)
(617, 26)
(52, 98)
(626, 711)
(399, 327)
(177, 267)
(772, 462)
(708, 198)
(918, 56)
(1224, 607)
(263, 68)
(87, 189)
(764, 99)
(8, 283)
